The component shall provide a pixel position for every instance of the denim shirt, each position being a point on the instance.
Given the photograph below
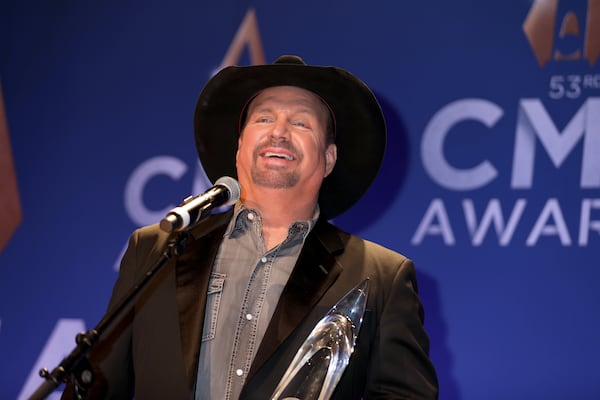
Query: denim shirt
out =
(245, 285)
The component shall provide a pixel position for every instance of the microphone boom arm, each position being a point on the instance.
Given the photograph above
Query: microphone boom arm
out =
(75, 364)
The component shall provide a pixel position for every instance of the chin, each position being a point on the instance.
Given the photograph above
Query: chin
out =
(275, 180)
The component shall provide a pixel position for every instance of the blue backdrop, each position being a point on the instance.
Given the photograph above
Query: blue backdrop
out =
(491, 181)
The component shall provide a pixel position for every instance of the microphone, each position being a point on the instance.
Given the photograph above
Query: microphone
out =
(193, 209)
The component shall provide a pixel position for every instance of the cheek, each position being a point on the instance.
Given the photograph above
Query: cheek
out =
(319, 150)
(240, 155)
(244, 152)
(312, 145)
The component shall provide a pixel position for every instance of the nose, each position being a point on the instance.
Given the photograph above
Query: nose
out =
(280, 129)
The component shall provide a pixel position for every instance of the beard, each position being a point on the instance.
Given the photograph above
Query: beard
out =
(275, 176)
(275, 179)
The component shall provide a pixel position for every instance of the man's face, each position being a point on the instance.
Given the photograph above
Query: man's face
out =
(282, 144)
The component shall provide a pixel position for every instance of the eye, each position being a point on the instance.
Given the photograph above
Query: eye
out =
(262, 119)
(301, 124)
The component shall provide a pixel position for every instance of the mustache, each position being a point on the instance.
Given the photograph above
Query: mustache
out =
(277, 144)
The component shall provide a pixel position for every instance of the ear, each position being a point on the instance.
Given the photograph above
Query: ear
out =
(330, 158)
(237, 152)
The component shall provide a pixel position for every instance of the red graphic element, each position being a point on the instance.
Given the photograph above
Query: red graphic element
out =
(248, 34)
(10, 206)
(540, 27)
(592, 35)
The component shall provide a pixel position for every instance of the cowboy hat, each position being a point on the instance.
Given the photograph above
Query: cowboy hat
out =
(360, 133)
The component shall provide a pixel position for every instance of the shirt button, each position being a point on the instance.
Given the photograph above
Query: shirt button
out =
(264, 259)
(239, 372)
(249, 317)
(251, 216)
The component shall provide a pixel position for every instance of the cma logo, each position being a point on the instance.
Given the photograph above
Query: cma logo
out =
(533, 122)
(534, 125)
(540, 30)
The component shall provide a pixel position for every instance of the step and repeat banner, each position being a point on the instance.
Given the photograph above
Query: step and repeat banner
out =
(491, 181)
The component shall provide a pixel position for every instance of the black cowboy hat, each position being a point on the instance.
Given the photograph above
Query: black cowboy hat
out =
(360, 133)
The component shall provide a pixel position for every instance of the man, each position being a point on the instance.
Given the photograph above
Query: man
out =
(224, 319)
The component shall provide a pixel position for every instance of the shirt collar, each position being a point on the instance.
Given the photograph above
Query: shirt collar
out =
(241, 212)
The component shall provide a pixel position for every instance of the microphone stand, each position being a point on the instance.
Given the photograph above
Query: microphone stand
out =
(76, 363)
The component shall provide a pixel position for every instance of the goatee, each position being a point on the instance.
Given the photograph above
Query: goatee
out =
(272, 176)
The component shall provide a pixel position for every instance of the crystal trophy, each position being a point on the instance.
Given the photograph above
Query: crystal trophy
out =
(319, 363)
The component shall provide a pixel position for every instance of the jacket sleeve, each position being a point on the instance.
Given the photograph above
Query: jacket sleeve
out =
(399, 366)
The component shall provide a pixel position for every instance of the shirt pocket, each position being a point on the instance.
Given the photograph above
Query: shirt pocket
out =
(213, 301)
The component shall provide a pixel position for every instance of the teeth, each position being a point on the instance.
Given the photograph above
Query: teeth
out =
(277, 155)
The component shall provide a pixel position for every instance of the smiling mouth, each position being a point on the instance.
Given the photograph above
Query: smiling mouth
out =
(270, 154)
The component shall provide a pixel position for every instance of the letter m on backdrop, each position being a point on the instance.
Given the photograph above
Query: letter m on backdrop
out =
(534, 121)
(10, 207)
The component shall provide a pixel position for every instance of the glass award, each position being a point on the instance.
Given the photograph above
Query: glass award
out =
(321, 360)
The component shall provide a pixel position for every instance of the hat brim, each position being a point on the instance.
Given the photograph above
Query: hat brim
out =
(359, 124)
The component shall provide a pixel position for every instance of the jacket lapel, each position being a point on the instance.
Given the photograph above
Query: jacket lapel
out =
(192, 276)
(314, 272)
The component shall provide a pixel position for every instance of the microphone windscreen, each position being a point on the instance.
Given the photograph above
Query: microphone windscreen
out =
(233, 187)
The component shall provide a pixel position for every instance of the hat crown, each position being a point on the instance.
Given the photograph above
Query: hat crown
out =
(289, 59)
